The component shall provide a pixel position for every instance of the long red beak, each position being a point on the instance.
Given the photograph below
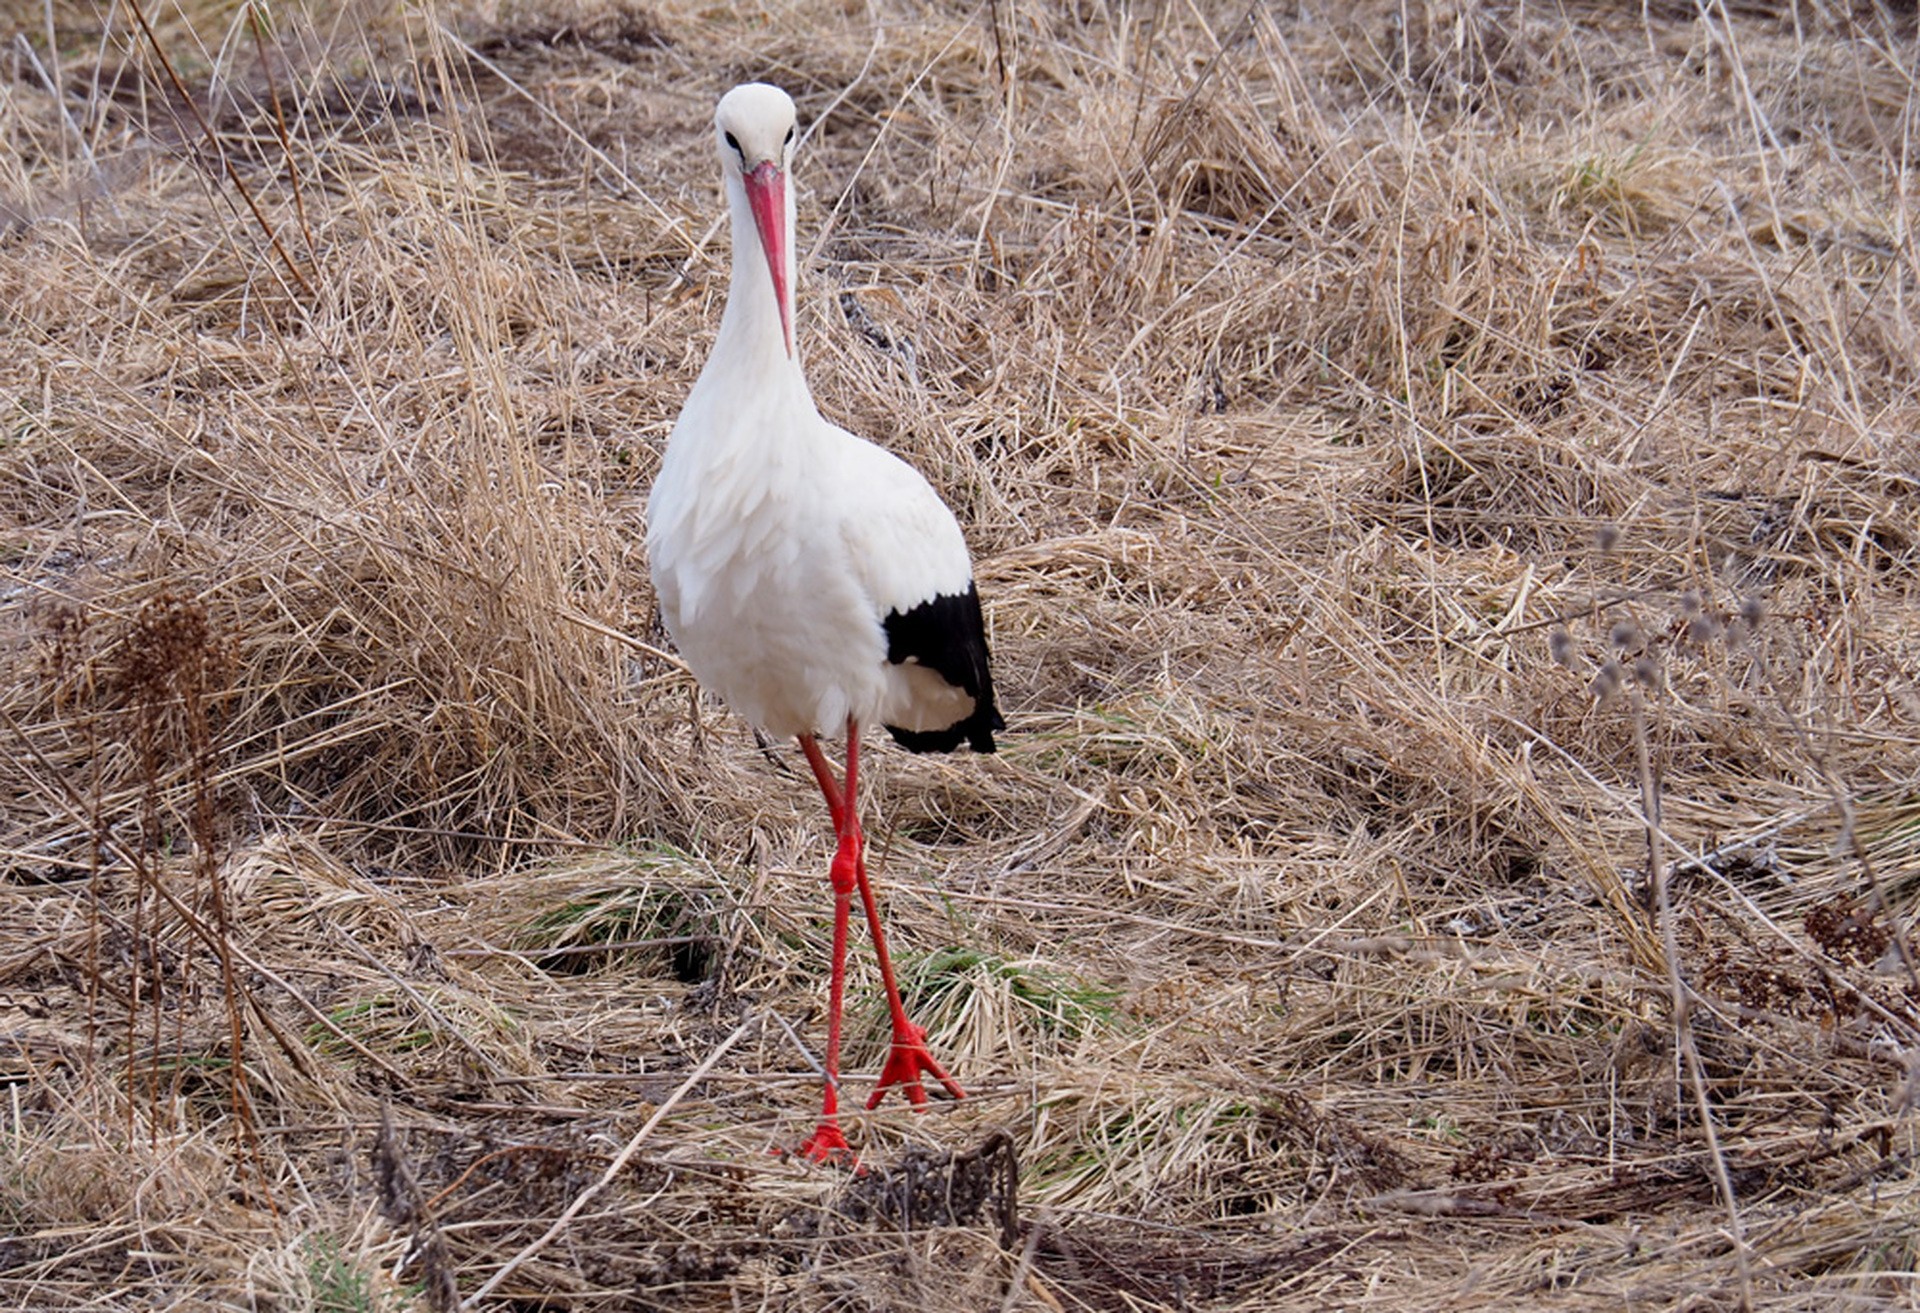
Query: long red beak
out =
(767, 194)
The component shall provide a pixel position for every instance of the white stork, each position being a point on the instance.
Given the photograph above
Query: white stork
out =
(808, 577)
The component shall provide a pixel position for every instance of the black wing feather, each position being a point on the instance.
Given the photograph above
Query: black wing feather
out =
(947, 635)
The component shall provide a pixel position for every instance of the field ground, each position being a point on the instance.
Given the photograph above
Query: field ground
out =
(1446, 489)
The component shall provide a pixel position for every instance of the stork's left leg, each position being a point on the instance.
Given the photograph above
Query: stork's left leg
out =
(909, 1056)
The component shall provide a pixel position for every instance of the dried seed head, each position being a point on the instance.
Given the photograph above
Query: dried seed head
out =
(1608, 537)
(172, 649)
(1606, 682)
(1646, 673)
(1560, 644)
(1625, 636)
(1702, 629)
(1690, 602)
(66, 636)
(1753, 610)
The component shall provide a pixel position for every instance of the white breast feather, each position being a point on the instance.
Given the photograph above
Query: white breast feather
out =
(775, 575)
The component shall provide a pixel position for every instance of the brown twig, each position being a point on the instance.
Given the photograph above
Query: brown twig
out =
(213, 141)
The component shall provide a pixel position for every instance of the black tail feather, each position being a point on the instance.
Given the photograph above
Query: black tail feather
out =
(976, 731)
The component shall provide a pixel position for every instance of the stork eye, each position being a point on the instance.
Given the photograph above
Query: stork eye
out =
(789, 140)
(734, 143)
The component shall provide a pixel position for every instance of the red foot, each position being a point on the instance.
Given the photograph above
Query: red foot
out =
(827, 1145)
(905, 1062)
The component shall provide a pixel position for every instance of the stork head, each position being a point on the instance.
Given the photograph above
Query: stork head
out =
(754, 131)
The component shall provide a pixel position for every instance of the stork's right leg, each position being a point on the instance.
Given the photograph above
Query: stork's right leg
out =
(828, 1142)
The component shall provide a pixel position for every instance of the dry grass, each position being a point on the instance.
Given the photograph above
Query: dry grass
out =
(1445, 486)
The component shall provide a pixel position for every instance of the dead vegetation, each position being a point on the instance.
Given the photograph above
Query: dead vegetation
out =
(1444, 481)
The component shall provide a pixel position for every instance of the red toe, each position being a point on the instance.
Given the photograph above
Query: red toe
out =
(827, 1145)
(907, 1061)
